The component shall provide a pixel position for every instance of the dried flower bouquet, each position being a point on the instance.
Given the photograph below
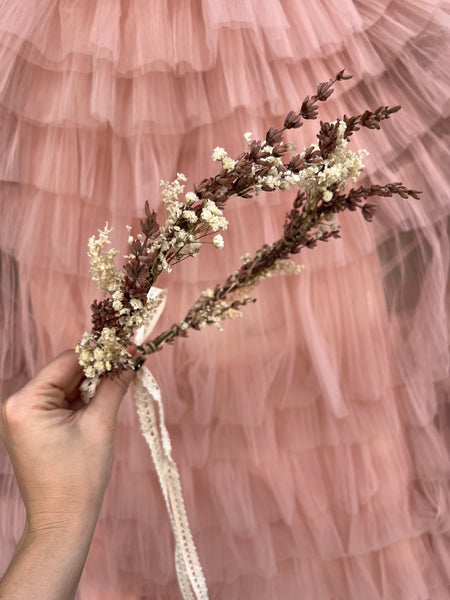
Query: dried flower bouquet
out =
(321, 172)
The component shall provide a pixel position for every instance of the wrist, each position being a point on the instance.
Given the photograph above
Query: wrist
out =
(78, 521)
(49, 559)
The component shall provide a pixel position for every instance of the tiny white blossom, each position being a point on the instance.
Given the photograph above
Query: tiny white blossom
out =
(218, 241)
(228, 163)
(190, 216)
(218, 153)
(191, 197)
(192, 249)
(103, 269)
(136, 304)
(206, 215)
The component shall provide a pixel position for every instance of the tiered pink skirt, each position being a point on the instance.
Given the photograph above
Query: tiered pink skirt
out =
(311, 436)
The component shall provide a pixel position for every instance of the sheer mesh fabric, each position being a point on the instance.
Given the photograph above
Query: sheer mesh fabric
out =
(312, 435)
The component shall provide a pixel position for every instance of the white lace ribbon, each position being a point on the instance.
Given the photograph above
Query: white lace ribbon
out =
(150, 411)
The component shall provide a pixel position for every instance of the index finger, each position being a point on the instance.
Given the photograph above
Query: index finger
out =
(62, 373)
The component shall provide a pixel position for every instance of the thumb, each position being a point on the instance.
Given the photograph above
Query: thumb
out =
(110, 392)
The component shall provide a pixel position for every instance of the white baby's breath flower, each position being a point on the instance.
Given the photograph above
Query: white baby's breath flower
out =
(228, 163)
(327, 196)
(99, 354)
(219, 153)
(206, 215)
(212, 215)
(89, 372)
(191, 197)
(218, 241)
(136, 304)
(190, 216)
(103, 269)
(192, 249)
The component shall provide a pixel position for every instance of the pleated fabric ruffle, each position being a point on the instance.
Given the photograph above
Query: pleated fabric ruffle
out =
(312, 435)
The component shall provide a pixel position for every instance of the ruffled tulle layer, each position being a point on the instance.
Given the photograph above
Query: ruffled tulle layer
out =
(312, 435)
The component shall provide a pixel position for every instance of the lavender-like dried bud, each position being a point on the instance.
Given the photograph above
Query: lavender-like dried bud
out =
(328, 138)
(149, 225)
(103, 315)
(324, 91)
(368, 211)
(342, 77)
(295, 163)
(274, 136)
(308, 109)
(292, 120)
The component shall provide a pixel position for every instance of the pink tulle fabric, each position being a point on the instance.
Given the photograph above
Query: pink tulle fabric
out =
(312, 435)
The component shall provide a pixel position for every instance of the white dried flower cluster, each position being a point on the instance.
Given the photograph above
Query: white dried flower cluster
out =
(170, 193)
(213, 217)
(277, 176)
(215, 312)
(282, 267)
(176, 241)
(324, 228)
(340, 167)
(212, 313)
(106, 352)
(103, 269)
(220, 155)
(103, 353)
(218, 241)
(190, 216)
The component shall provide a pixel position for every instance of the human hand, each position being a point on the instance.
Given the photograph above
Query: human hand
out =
(61, 449)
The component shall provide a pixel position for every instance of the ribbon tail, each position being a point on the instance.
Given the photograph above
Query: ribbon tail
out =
(150, 411)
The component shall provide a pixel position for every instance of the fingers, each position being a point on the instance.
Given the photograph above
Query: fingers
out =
(62, 373)
(52, 387)
(106, 402)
